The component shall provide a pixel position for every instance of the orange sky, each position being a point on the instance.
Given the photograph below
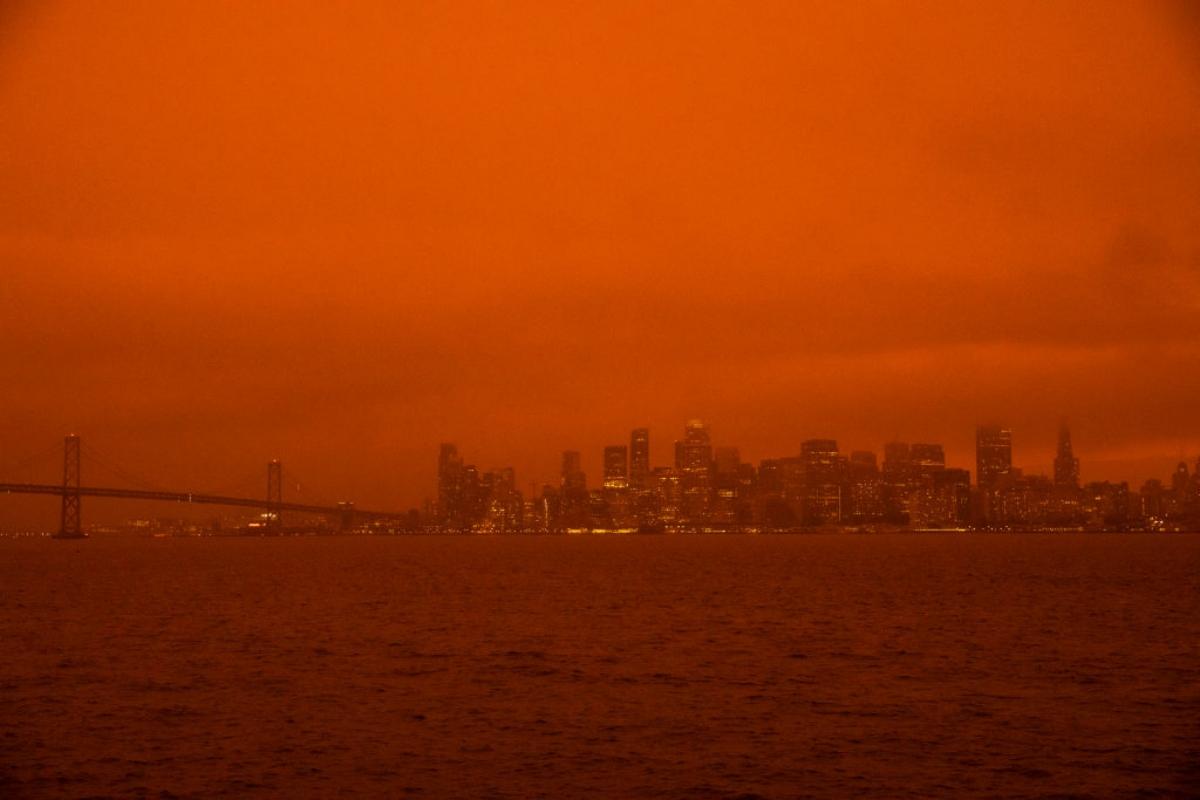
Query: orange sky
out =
(340, 233)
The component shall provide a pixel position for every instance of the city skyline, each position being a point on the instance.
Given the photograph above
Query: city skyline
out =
(709, 486)
(855, 486)
(1034, 449)
(1039, 456)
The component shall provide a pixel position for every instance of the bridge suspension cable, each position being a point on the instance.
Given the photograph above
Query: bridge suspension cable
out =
(105, 462)
(27, 462)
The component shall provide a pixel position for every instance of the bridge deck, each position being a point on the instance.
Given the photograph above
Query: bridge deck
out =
(191, 497)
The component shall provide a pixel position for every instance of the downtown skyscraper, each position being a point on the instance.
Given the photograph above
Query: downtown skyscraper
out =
(639, 458)
(1066, 465)
(993, 455)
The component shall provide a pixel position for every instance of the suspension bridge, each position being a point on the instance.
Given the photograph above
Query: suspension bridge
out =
(71, 491)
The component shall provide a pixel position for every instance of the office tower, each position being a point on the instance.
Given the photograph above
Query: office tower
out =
(574, 488)
(694, 452)
(993, 455)
(791, 476)
(616, 505)
(646, 500)
(897, 480)
(926, 462)
(822, 470)
(771, 505)
(726, 460)
(1110, 504)
(572, 470)
(1066, 465)
(616, 467)
(472, 495)
(747, 493)
(693, 461)
(503, 505)
(953, 493)
(667, 487)
(450, 483)
(1066, 503)
(864, 492)
(1152, 493)
(639, 458)
(726, 485)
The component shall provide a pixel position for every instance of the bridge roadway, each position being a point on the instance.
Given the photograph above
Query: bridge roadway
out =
(190, 497)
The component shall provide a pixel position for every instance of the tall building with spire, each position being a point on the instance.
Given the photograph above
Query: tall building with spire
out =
(1066, 465)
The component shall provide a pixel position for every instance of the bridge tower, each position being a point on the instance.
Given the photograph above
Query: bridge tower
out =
(274, 495)
(72, 527)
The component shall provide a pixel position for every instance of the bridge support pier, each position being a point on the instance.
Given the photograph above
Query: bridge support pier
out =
(71, 526)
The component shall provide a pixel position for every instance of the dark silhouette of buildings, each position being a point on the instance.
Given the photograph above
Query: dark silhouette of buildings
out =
(993, 455)
(897, 481)
(822, 476)
(1066, 465)
(616, 467)
(864, 501)
(450, 507)
(710, 487)
(694, 461)
(639, 458)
